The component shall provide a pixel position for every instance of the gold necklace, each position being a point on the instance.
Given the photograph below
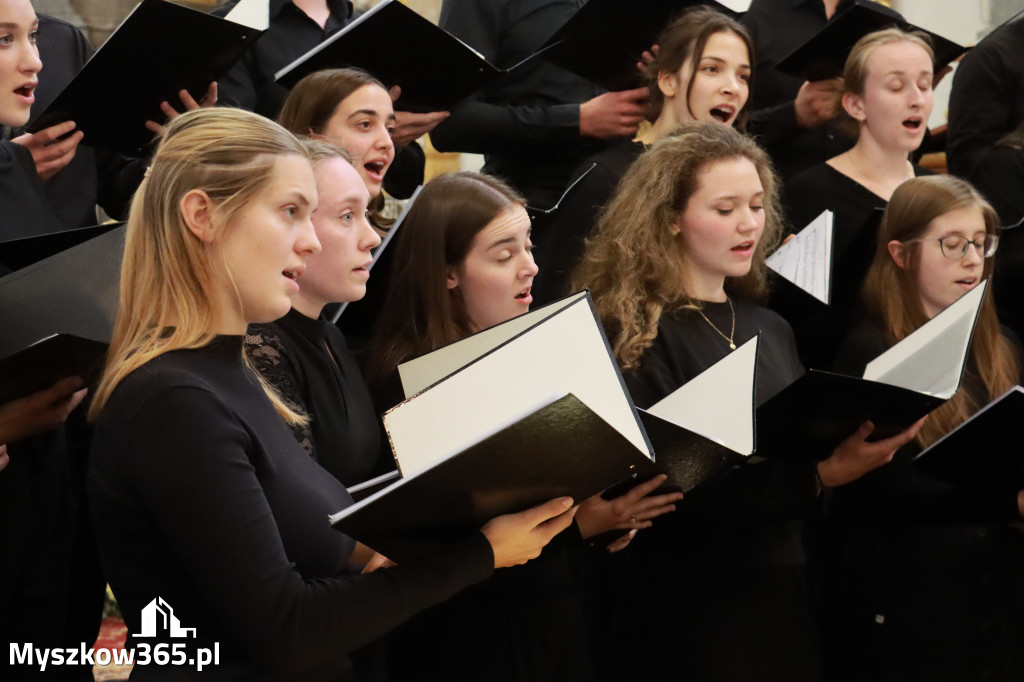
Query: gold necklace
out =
(732, 331)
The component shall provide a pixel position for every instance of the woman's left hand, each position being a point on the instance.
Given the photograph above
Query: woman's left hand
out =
(631, 511)
(208, 100)
(409, 126)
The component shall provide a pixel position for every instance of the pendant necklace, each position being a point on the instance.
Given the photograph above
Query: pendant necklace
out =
(732, 331)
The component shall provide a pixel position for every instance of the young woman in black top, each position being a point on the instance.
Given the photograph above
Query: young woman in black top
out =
(888, 93)
(675, 269)
(201, 496)
(701, 72)
(463, 264)
(305, 356)
(929, 583)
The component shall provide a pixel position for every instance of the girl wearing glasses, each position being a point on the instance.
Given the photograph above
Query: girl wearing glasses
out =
(929, 582)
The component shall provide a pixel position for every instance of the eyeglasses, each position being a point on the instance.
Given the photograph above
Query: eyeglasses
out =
(955, 246)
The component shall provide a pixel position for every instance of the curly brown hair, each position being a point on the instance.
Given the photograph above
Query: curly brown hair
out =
(633, 263)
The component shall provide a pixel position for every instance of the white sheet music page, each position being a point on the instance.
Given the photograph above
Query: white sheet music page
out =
(566, 353)
(719, 402)
(426, 370)
(252, 13)
(931, 360)
(806, 259)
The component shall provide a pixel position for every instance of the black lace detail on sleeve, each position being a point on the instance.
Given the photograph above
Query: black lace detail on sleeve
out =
(269, 356)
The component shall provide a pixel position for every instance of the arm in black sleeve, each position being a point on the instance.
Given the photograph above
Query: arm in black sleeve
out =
(980, 109)
(485, 128)
(119, 176)
(204, 495)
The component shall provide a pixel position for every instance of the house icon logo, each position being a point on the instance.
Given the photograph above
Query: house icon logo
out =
(158, 616)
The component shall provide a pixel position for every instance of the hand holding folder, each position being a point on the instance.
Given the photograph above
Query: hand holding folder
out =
(158, 50)
(40, 411)
(503, 420)
(820, 410)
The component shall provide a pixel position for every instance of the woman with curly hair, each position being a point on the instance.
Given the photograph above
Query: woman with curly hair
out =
(675, 270)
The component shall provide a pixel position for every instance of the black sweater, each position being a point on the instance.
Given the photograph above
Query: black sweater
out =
(203, 498)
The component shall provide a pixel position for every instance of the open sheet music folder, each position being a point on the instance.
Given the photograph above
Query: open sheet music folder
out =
(158, 50)
(603, 41)
(703, 427)
(541, 391)
(815, 413)
(58, 315)
(824, 54)
(984, 453)
(397, 46)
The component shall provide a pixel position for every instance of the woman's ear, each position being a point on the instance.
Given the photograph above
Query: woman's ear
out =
(197, 211)
(897, 253)
(854, 105)
(668, 83)
(451, 277)
(675, 228)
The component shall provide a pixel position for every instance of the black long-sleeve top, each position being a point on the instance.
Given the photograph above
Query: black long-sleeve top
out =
(24, 209)
(778, 27)
(527, 123)
(987, 98)
(307, 361)
(250, 83)
(762, 504)
(202, 497)
(561, 245)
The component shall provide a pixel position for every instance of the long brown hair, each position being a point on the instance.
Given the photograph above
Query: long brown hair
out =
(312, 102)
(421, 313)
(167, 273)
(633, 263)
(684, 39)
(892, 292)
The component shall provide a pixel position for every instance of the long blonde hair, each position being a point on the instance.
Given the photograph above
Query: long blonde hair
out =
(892, 292)
(167, 272)
(633, 265)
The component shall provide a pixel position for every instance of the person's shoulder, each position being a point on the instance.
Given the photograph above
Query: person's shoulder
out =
(50, 24)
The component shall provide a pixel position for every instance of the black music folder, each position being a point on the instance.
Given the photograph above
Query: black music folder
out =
(158, 50)
(815, 413)
(703, 427)
(984, 453)
(396, 45)
(59, 316)
(824, 54)
(603, 41)
(528, 410)
(360, 316)
(562, 448)
(16, 254)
